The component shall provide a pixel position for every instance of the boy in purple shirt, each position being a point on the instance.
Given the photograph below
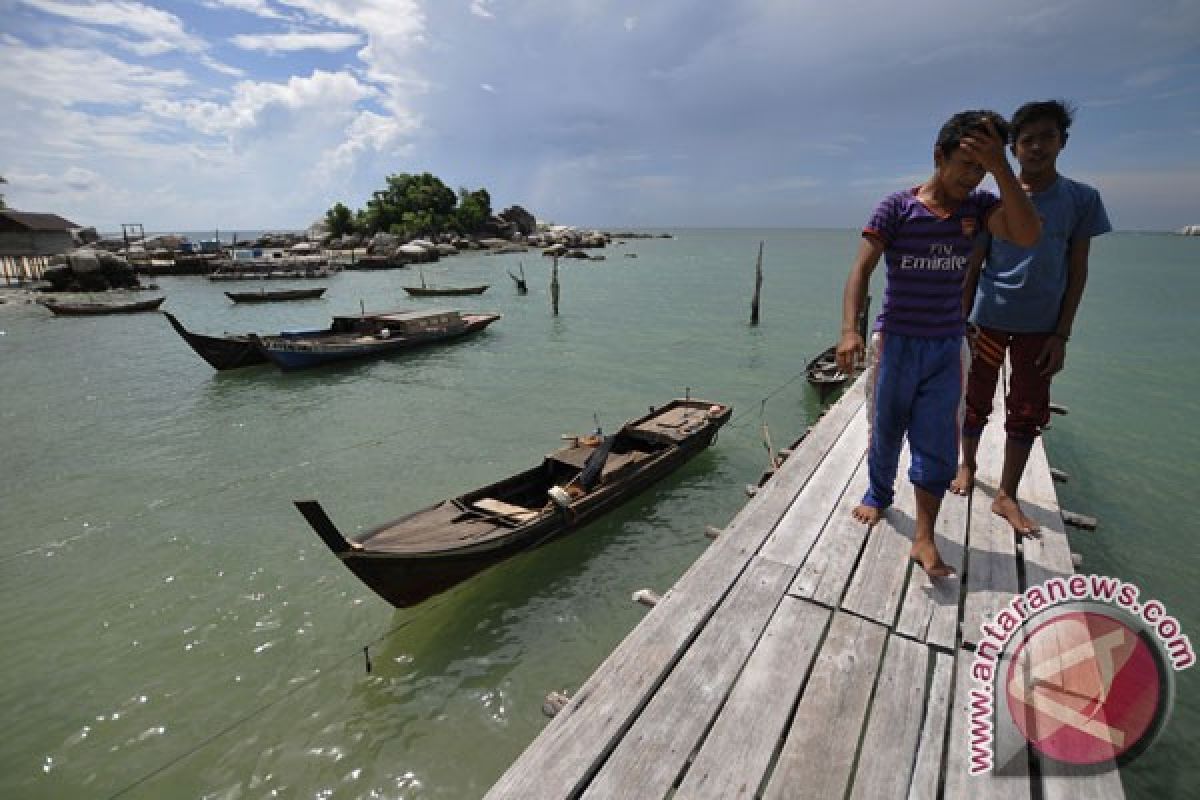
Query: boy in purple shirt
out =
(1025, 303)
(919, 357)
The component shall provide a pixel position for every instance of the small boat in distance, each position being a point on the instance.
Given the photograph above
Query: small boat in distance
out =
(92, 309)
(275, 296)
(427, 552)
(444, 291)
(368, 335)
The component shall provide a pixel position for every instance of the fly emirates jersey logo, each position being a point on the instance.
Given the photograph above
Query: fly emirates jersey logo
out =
(941, 258)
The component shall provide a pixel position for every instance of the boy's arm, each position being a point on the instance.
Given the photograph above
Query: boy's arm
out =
(971, 279)
(1016, 219)
(851, 347)
(1054, 351)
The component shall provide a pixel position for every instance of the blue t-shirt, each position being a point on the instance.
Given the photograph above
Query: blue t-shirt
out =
(926, 255)
(1021, 289)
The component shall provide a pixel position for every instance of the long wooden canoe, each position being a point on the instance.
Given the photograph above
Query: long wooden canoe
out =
(92, 309)
(275, 296)
(426, 552)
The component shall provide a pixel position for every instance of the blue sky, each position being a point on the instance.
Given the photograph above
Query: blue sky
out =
(246, 114)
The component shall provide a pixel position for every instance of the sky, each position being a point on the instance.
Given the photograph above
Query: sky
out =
(261, 114)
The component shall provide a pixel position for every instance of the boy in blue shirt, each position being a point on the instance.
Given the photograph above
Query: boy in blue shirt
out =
(1025, 303)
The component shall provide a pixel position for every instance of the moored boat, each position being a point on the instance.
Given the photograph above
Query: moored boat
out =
(221, 352)
(275, 296)
(92, 309)
(444, 291)
(424, 553)
(369, 335)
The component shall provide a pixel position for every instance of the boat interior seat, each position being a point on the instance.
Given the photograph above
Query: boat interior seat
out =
(490, 505)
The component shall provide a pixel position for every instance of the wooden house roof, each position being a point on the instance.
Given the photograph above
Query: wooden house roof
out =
(32, 221)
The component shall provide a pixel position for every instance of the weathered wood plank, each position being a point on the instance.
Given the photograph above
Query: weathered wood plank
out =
(796, 532)
(818, 755)
(959, 783)
(654, 752)
(876, 587)
(1047, 555)
(928, 769)
(889, 748)
(826, 572)
(563, 758)
(991, 557)
(738, 750)
(930, 610)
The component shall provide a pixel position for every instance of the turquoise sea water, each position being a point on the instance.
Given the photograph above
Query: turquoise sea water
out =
(172, 628)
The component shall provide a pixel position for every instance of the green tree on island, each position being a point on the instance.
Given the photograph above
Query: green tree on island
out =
(411, 206)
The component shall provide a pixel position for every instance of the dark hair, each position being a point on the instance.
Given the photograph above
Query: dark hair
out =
(1060, 112)
(963, 124)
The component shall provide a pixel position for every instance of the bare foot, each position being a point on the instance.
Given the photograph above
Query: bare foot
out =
(867, 515)
(926, 554)
(964, 482)
(1005, 506)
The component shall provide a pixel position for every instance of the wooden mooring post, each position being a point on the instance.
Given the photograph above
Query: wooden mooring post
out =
(758, 278)
(554, 286)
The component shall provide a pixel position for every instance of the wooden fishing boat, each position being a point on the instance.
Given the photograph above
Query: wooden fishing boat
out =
(823, 371)
(445, 291)
(421, 554)
(368, 335)
(275, 296)
(91, 309)
(221, 352)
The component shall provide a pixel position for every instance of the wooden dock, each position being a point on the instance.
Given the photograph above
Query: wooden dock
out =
(800, 657)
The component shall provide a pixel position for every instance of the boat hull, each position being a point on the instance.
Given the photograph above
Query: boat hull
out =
(275, 297)
(95, 309)
(405, 580)
(221, 352)
(294, 355)
(430, 291)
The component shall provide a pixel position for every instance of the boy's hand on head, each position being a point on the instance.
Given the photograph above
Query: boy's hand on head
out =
(985, 146)
(850, 351)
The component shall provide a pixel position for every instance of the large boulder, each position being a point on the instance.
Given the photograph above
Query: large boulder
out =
(524, 221)
(383, 243)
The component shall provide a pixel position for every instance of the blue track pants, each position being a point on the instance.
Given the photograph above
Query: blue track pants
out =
(915, 386)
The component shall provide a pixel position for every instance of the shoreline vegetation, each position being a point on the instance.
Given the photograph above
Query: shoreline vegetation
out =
(414, 219)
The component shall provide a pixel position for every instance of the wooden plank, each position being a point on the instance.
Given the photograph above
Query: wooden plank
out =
(876, 587)
(826, 571)
(889, 748)
(991, 579)
(575, 743)
(927, 772)
(795, 534)
(818, 754)
(653, 754)
(738, 750)
(930, 610)
(959, 783)
(1047, 555)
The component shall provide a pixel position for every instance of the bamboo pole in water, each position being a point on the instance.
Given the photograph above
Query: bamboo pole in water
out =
(758, 278)
(554, 286)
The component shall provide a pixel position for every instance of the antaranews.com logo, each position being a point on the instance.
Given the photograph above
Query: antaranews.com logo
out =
(1077, 668)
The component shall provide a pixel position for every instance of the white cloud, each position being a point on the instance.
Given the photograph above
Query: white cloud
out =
(64, 76)
(487, 87)
(630, 23)
(73, 179)
(331, 41)
(480, 9)
(260, 8)
(161, 31)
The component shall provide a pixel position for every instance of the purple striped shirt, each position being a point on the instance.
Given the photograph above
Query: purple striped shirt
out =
(926, 255)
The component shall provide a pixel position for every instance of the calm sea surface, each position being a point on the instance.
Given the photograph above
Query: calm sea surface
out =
(171, 628)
